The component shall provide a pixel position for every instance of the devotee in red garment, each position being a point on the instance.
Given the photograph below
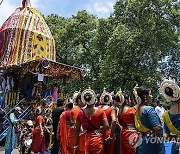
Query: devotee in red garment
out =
(126, 120)
(38, 140)
(105, 101)
(65, 126)
(91, 119)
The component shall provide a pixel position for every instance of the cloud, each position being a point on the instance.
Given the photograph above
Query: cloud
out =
(101, 8)
(9, 6)
(36, 4)
(7, 9)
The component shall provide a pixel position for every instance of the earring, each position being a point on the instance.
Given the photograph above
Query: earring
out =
(145, 99)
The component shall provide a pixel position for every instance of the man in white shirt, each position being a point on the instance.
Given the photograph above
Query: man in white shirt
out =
(159, 108)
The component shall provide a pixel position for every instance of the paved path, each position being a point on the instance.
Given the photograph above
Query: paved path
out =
(14, 151)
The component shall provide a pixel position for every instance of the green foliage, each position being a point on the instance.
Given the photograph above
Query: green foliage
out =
(144, 34)
(138, 43)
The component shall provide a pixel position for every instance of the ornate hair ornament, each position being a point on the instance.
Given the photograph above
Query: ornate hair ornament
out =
(119, 93)
(112, 93)
(75, 94)
(170, 90)
(106, 98)
(88, 96)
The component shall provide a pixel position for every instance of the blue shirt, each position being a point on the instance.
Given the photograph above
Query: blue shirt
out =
(149, 117)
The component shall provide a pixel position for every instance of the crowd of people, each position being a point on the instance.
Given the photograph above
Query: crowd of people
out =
(107, 124)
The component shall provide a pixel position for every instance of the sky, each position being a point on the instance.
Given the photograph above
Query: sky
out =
(65, 8)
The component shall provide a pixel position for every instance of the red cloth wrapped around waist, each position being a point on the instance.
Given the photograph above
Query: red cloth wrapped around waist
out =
(106, 133)
(108, 148)
(71, 132)
(93, 141)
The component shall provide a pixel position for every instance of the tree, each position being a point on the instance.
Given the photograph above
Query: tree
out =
(145, 32)
(75, 40)
(138, 43)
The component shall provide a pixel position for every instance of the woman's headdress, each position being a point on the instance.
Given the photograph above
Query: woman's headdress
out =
(74, 98)
(106, 98)
(170, 90)
(121, 97)
(88, 96)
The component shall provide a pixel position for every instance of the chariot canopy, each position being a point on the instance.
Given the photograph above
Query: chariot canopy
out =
(26, 44)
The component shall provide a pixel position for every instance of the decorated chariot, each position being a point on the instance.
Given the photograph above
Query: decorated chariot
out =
(28, 61)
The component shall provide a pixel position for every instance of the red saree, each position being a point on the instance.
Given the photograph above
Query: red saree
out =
(81, 139)
(66, 147)
(93, 138)
(108, 148)
(38, 141)
(128, 131)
